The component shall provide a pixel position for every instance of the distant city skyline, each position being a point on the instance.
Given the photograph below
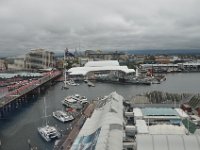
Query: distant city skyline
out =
(107, 25)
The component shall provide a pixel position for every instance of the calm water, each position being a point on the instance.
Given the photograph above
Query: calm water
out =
(22, 125)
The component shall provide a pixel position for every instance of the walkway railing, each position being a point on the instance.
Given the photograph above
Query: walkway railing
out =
(28, 87)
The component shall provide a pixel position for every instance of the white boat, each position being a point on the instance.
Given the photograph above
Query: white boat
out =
(90, 84)
(48, 132)
(75, 101)
(86, 81)
(71, 82)
(62, 116)
(79, 98)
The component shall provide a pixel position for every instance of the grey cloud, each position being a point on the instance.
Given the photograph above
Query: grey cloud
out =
(112, 24)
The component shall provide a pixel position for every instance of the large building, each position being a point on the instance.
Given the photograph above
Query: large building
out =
(39, 58)
(164, 128)
(2, 65)
(100, 69)
(104, 129)
(100, 55)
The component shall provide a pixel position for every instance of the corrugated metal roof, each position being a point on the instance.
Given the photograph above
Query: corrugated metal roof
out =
(109, 122)
(159, 112)
(167, 129)
(168, 142)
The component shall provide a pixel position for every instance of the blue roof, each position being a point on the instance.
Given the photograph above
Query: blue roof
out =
(159, 112)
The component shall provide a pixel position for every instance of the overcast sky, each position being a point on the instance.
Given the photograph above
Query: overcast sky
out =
(98, 24)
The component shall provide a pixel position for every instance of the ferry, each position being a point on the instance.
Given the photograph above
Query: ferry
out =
(62, 116)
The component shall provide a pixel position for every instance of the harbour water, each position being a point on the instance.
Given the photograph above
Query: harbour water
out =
(18, 127)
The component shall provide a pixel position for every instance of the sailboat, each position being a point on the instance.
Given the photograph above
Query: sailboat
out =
(48, 132)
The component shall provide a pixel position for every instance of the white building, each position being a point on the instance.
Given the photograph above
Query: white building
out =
(2, 65)
(96, 69)
(18, 64)
(39, 59)
(104, 130)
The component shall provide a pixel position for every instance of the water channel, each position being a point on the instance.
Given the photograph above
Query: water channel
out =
(18, 127)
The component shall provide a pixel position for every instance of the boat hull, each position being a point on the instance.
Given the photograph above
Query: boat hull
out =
(70, 118)
(46, 137)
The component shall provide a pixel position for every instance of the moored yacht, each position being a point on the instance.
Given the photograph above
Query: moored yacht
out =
(48, 132)
(90, 84)
(79, 98)
(75, 101)
(62, 116)
(71, 102)
(71, 82)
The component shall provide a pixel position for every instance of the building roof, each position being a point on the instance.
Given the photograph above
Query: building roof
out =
(84, 70)
(168, 142)
(105, 127)
(167, 129)
(191, 64)
(102, 63)
(141, 127)
(159, 112)
(159, 65)
(137, 112)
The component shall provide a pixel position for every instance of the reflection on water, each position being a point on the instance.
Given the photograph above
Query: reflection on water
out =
(16, 129)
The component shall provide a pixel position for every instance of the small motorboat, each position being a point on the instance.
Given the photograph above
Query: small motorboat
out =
(62, 116)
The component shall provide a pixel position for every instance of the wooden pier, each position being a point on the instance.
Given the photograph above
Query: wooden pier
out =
(29, 92)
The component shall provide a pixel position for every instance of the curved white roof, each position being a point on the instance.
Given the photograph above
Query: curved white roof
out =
(167, 129)
(102, 63)
(84, 70)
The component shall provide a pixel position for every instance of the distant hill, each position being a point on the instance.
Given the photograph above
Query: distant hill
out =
(164, 52)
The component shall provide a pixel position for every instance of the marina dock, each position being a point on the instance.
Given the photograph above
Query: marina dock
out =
(67, 141)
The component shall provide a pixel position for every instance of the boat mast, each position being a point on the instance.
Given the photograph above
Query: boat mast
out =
(45, 113)
(65, 67)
